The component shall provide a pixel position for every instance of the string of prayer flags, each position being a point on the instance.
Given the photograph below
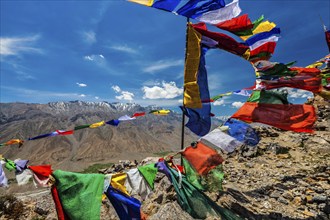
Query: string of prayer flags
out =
(80, 194)
(55, 133)
(13, 141)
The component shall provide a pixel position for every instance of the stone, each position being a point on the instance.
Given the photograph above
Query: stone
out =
(297, 201)
(319, 199)
(308, 213)
(282, 200)
(275, 194)
(288, 195)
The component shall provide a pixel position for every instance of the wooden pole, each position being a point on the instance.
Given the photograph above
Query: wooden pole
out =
(183, 115)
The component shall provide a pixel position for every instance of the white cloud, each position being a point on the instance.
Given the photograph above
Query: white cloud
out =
(180, 101)
(161, 65)
(82, 95)
(23, 76)
(219, 102)
(116, 88)
(166, 91)
(125, 95)
(94, 57)
(16, 45)
(237, 104)
(298, 93)
(96, 97)
(124, 48)
(89, 36)
(81, 84)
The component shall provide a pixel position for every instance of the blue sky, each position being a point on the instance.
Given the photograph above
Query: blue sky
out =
(119, 51)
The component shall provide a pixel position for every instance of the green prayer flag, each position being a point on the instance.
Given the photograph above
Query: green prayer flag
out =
(149, 173)
(10, 165)
(81, 127)
(269, 97)
(195, 202)
(80, 194)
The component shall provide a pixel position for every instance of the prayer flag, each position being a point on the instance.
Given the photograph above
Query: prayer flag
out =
(126, 118)
(138, 114)
(228, 12)
(299, 118)
(126, 207)
(224, 41)
(191, 88)
(97, 124)
(149, 173)
(221, 140)
(113, 122)
(196, 8)
(80, 194)
(242, 132)
(202, 158)
(3, 178)
(233, 25)
(136, 184)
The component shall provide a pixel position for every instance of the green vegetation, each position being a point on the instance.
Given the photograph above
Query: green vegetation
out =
(95, 167)
(164, 153)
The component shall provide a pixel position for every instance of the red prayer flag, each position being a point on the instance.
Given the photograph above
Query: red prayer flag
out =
(299, 118)
(224, 41)
(268, 47)
(236, 24)
(138, 114)
(58, 206)
(202, 158)
(60, 132)
(42, 170)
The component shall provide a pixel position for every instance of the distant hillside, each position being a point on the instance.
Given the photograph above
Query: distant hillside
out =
(136, 139)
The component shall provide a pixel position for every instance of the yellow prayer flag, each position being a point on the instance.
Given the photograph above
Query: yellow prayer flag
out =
(98, 124)
(191, 97)
(118, 181)
(161, 112)
(262, 27)
(143, 2)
